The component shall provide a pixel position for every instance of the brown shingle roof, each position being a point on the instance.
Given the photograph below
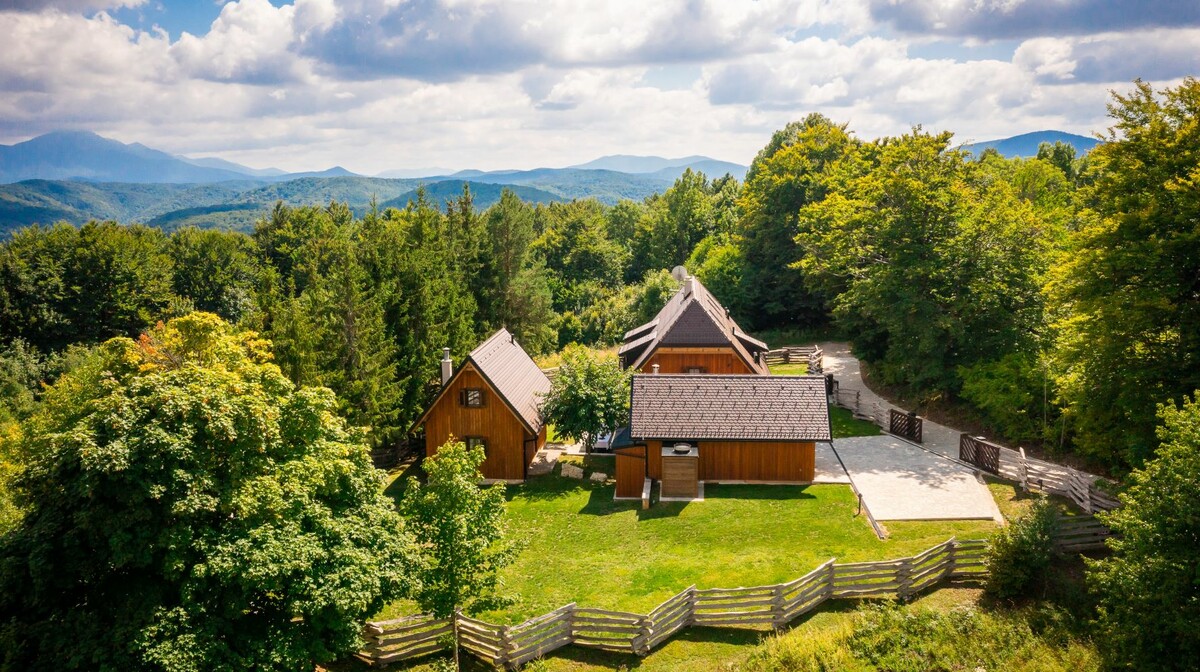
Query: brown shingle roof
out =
(733, 408)
(514, 375)
(511, 372)
(692, 318)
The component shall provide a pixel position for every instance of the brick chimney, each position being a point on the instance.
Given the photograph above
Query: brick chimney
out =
(447, 366)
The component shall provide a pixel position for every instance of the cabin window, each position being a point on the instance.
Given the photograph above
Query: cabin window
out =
(695, 369)
(477, 442)
(472, 397)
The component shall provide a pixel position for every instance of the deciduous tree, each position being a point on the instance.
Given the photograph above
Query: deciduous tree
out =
(188, 508)
(590, 395)
(1148, 589)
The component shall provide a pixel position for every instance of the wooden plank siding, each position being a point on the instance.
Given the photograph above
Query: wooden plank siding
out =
(721, 360)
(745, 461)
(757, 461)
(680, 476)
(631, 471)
(505, 435)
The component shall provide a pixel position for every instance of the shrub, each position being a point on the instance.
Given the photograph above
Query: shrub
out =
(1020, 554)
(898, 639)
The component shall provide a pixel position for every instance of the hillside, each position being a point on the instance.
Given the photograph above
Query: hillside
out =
(78, 176)
(80, 155)
(664, 169)
(1026, 144)
(607, 186)
(66, 155)
(485, 194)
(46, 201)
(228, 205)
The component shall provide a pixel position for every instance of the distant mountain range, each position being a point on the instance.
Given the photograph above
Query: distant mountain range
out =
(1026, 145)
(76, 176)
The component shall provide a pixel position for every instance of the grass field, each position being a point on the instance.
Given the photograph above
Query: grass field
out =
(581, 546)
(844, 424)
(794, 369)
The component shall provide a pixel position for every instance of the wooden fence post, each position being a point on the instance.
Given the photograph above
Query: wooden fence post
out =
(1023, 470)
(646, 631)
(904, 578)
(777, 615)
(691, 612)
(506, 646)
(951, 557)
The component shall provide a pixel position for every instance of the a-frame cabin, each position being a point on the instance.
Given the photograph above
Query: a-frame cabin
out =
(491, 400)
(693, 333)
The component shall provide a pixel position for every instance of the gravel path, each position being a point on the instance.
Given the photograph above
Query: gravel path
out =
(900, 480)
(845, 369)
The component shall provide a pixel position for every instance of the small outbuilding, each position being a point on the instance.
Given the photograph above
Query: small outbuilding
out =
(491, 400)
(732, 428)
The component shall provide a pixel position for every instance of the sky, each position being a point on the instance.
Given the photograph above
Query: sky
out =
(374, 85)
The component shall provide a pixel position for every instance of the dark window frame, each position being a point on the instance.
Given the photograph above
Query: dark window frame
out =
(465, 397)
(473, 441)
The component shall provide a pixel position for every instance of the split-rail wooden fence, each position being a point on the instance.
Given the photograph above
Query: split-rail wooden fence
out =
(1034, 474)
(790, 354)
(773, 606)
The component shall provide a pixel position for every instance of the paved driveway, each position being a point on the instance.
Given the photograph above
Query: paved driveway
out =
(900, 481)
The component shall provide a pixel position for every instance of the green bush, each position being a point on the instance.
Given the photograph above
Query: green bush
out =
(1149, 589)
(1020, 554)
(1013, 395)
(898, 639)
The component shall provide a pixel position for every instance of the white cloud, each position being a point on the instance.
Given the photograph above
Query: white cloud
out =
(250, 41)
(378, 84)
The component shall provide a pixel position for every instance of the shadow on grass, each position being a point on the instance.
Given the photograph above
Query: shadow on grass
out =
(627, 661)
(547, 487)
(399, 479)
(757, 492)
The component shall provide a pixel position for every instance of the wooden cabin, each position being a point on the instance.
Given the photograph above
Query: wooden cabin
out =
(491, 400)
(694, 334)
(732, 428)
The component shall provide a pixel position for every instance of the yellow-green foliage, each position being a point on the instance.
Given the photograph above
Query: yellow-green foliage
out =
(902, 640)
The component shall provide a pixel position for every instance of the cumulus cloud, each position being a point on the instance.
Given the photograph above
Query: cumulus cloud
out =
(1009, 19)
(1155, 55)
(250, 41)
(378, 84)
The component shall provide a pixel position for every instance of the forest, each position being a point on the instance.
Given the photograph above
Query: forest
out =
(1056, 296)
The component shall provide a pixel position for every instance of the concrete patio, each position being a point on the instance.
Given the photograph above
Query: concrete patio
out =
(901, 481)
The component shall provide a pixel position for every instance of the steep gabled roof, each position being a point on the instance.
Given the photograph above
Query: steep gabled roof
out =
(692, 318)
(511, 372)
(729, 408)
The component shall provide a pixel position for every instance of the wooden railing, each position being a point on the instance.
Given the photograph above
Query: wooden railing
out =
(979, 452)
(1034, 474)
(906, 425)
(758, 606)
(792, 354)
(1076, 534)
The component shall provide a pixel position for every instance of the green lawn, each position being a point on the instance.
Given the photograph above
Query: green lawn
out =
(793, 369)
(581, 546)
(845, 424)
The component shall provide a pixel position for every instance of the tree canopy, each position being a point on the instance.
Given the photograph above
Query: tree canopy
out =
(1148, 589)
(189, 508)
(589, 395)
